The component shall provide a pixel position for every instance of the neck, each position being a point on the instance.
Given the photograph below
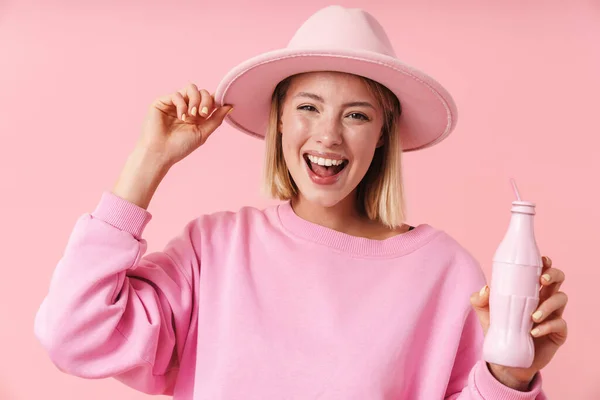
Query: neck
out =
(342, 217)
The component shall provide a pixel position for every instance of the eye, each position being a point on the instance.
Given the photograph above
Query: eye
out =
(305, 108)
(359, 116)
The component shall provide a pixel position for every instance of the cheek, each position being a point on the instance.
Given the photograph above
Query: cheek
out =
(295, 131)
(296, 124)
(287, 146)
(363, 142)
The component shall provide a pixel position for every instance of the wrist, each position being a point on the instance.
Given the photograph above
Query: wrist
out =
(502, 375)
(140, 177)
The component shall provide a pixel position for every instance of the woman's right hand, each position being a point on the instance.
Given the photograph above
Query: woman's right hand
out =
(179, 123)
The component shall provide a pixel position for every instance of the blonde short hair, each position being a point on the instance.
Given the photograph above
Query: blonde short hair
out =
(380, 194)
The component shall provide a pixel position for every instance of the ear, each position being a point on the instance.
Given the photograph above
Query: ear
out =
(280, 119)
(381, 141)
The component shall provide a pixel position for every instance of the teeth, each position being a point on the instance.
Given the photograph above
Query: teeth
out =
(324, 161)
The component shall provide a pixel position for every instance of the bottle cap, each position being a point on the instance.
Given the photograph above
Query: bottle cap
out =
(520, 206)
(524, 207)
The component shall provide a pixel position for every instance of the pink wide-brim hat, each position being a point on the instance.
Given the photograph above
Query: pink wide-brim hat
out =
(348, 40)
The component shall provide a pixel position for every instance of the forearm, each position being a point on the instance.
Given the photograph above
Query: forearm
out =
(140, 178)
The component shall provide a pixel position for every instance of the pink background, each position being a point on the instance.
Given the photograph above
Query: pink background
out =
(76, 80)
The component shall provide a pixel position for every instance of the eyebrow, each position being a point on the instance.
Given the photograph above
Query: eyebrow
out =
(319, 98)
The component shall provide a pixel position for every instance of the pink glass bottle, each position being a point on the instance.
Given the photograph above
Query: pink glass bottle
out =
(514, 291)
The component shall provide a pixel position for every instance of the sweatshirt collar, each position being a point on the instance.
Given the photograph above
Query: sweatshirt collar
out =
(391, 247)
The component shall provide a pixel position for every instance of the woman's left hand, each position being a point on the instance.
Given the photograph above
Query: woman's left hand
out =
(549, 329)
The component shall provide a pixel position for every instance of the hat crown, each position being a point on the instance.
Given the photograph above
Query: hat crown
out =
(336, 27)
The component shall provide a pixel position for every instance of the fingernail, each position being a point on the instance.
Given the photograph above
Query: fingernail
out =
(230, 110)
(535, 332)
(183, 117)
(194, 111)
(537, 315)
(204, 110)
(483, 290)
(546, 277)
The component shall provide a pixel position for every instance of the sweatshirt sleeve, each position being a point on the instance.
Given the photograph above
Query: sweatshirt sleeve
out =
(472, 380)
(110, 311)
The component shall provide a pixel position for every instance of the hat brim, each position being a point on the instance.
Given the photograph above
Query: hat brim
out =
(429, 113)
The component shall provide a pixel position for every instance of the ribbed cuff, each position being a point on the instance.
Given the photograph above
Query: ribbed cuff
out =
(122, 214)
(492, 389)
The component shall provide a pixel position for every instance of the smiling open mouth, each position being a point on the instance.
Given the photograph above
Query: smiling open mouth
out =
(324, 167)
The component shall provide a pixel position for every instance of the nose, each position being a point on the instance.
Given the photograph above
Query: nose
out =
(330, 132)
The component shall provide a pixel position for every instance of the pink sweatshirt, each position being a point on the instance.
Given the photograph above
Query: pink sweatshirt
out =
(261, 304)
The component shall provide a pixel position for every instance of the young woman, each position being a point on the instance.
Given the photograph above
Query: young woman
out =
(328, 295)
